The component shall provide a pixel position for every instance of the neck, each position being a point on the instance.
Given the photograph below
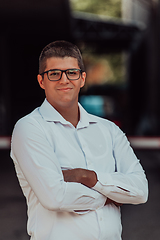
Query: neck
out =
(70, 114)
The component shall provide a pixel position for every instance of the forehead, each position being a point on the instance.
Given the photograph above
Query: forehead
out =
(61, 63)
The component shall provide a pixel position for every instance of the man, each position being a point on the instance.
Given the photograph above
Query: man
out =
(75, 169)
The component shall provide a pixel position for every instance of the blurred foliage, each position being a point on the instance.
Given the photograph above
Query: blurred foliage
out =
(117, 63)
(111, 66)
(110, 8)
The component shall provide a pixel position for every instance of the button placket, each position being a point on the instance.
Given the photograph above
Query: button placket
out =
(100, 219)
(85, 150)
(81, 144)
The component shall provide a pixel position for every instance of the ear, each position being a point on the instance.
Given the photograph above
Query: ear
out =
(83, 79)
(41, 81)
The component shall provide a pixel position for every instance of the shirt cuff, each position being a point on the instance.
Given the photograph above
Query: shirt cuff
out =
(107, 185)
(105, 179)
(104, 183)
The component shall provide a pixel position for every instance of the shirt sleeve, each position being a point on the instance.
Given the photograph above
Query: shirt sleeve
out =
(36, 158)
(128, 184)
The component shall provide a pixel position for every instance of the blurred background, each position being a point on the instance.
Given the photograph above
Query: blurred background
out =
(120, 44)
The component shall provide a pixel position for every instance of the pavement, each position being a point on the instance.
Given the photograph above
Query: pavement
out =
(140, 222)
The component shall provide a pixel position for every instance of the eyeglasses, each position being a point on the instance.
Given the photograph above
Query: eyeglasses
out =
(56, 74)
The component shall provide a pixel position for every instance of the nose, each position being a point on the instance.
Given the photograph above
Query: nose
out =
(64, 79)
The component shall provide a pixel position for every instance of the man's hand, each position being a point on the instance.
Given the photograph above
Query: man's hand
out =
(79, 175)
(85, 177)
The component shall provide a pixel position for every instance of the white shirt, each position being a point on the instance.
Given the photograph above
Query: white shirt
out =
(44, 144)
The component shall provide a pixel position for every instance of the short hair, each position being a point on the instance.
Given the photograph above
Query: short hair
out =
(60, 49)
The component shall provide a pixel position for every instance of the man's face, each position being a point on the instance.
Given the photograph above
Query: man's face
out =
(62, 93)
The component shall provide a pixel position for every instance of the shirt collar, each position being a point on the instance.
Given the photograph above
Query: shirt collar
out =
(50, 114)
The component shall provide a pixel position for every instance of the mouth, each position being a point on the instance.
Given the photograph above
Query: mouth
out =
(64, 89)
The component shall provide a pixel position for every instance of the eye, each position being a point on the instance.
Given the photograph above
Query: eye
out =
(54, 73)
(73, 71)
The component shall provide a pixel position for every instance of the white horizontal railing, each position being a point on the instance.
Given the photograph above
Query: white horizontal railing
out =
(145, 142)
(5, 142)
(136, 142)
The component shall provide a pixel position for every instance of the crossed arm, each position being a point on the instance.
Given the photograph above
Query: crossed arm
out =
(85, 177)
(128, 185)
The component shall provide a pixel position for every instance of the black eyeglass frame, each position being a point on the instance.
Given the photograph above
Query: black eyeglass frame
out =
(62, 71)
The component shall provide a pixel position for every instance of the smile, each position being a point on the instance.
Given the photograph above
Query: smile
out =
(64, 89)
